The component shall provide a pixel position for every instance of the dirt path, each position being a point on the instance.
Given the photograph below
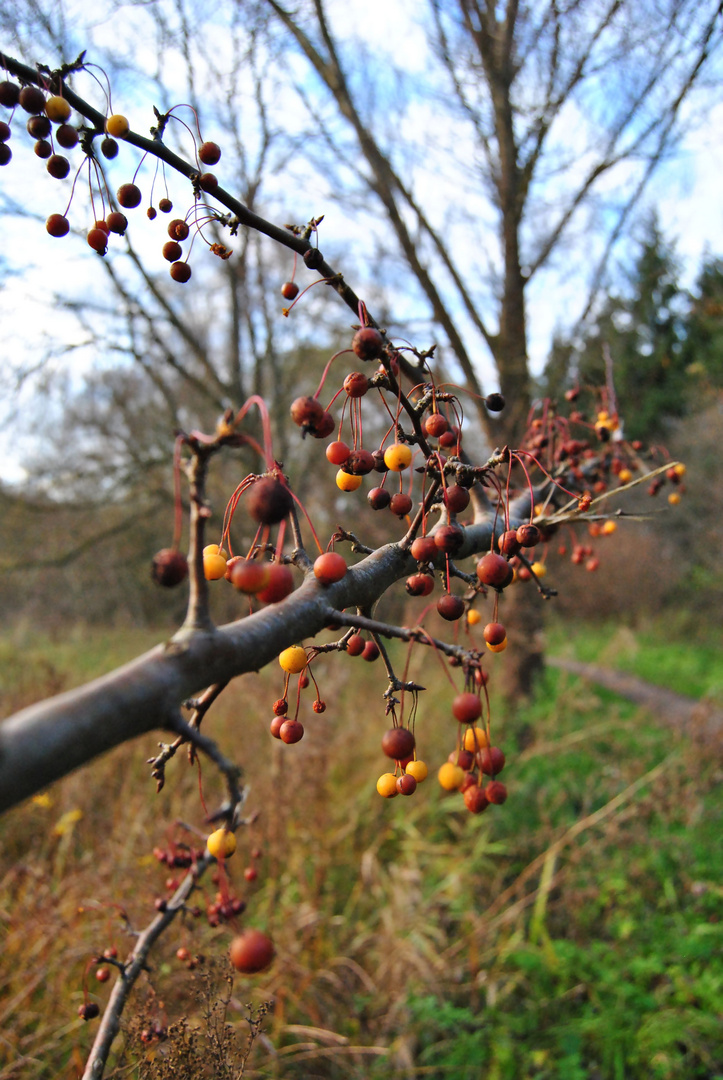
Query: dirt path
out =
(700, 719)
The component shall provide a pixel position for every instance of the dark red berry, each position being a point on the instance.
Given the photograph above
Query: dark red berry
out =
(117, 222)
(323, 426)
(495, 402)
(494, 633)
(491, 760)
(400, 504)
(496, 792)
(165, 206)
(313, 258)
(528, 535)
(475, 799)
(466, 708)
(42, 149)
(368, 343)
(169, 567)
(31, 99)
(172, 251)
(39, 127)
(208, 181)
(398, 743)
(306, 411)
(129, 196)
(66, 136)
(420, 584)
(180, 271)
(178, 229)
(89, 1011)
(58, 166)
(457, 499)
(370, 652)
(379, 498)
(508, 542)
(109, 150)
(251, 952)
(269, 501)
(406, 784)
(57, 225)
(9, 94)
(450, 607)
(449, 538)
(5, 131)
(209, 153)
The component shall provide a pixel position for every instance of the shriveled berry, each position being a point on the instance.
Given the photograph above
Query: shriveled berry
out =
(356, 384)
(528, 535)
(359, 463)
(306, 411)
(323, 426)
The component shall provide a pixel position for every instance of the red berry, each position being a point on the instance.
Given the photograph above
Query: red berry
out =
(475, 799)
(337, 453)
(323, 427)
(435, 425)
(356, 384)
(117, 222)
(406, 784)
(251, 952)
(494, 633)
(330, 567)
(249, 575)
(289, 290)
(281, 707)
(368, 343)
(275, 726)
(58, 166)
(466, 708)
(129, 196)
(9, 94)
(251, 873)
(496, 792)
(208, 181)
(281, 583)
(371, 652)
(31, 99)
(102, 974)
(355, 645)
(39, 127)
(66, 136)
(398, 743)
(178, 229)
(57, 225)
(456, 499)
(449, 439)
(98, 240)
(508, 542)
(528, 535)
(181, 272)
(491, 760)
(169, 568)
(400, 504)
(424, 549)
(450, 607)
(306, 411)
(209, 153)
(172, 251)
(269, 501)
(449, 538)
(494, 570)
(379, 498)
(291, 731)
(420, 584)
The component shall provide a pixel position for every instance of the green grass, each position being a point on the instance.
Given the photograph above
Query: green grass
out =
(573, 932)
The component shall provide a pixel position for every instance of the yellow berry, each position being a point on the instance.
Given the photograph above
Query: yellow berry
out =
(679, 469)
(473, 617)
(498, 648)
(57, 109)
(418, 770)
(608, 528)
(347, 482)
(214, 567)
(387, 785)
(451, 777)
(221, 844)
(539, 569)
(214, 549)
(625, 476)
(397, 457)
(475, 739)
(603, 415)
(117, 126)
(293, 659)
(674, 498)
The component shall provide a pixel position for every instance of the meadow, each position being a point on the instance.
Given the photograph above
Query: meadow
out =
(574, 932)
